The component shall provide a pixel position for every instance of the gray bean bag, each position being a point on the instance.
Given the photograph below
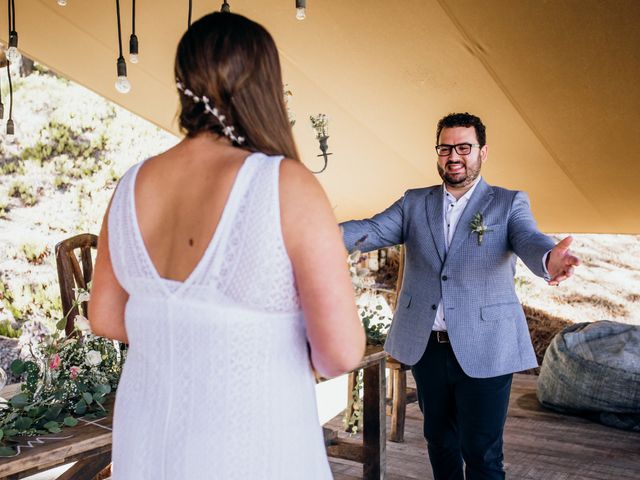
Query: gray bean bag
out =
(594, 369)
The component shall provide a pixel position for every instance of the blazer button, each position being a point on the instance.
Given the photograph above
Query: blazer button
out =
(434, 307)
(444, 278)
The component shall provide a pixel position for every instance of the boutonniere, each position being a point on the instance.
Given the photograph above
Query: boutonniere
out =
(478, 227)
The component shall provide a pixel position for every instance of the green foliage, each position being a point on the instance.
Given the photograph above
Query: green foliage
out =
(7, 331)
(44, 299)
(375, 324)
(77, 151)
(24, 193)
(11, 166)
(5, 208)
(7, 299)
(67, 376)
(35, 254)
(352, 420)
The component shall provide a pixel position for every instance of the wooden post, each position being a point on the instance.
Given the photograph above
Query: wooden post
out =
(399, 404)
(374, 432)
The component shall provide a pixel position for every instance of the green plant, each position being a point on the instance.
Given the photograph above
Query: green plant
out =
(11, 166)
(8, 300)
(63, 377)
(376, 325)
(6, 330)
(35, 254)
(352, 420)
(5, 208)
(21, 191)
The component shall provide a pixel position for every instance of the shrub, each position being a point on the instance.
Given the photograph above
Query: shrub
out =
(21, 191)
(35, 254)
(6, 330)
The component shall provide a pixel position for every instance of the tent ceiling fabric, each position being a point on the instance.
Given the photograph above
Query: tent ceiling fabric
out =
(556, 82)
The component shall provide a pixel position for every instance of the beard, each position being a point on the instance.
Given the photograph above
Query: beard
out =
(461, 179)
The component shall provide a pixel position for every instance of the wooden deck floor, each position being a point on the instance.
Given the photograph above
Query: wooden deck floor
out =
(539, 445)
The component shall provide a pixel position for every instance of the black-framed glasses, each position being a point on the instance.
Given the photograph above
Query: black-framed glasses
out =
(460, 148)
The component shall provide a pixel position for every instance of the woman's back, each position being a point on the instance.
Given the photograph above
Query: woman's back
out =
(180, 196)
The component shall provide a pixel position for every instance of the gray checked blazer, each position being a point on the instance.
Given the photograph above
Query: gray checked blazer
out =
(486, 325)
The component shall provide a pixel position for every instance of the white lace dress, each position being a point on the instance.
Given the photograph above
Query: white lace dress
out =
(217, 383)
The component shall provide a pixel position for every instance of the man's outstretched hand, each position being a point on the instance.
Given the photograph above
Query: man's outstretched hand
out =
(561, 262)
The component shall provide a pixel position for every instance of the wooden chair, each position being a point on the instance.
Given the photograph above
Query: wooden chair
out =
(75, 269)
(397, 391)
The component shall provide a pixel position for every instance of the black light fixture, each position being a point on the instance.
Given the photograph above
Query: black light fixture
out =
(13, 55)
(225, 7)
(320, 123)
(301, 9)
(133, 39)
(122, 83)
(10, 124)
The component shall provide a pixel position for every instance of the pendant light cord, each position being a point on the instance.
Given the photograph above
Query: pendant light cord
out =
(119, 29)
(189, 17)
(10, 93)
(133, 19)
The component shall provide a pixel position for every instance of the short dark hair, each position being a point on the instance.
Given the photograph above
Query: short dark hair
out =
(234, 62)
(463, 120)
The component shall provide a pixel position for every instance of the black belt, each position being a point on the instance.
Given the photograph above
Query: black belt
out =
(440, 336)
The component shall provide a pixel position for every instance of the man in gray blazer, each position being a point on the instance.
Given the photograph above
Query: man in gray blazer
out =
(458, 321)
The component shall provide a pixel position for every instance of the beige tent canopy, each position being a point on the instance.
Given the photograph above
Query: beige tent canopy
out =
(555, 81)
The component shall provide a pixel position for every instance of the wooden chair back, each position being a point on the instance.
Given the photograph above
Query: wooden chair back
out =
(75, 270)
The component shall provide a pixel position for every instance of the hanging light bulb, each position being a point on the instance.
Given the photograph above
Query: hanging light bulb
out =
(13, 54)
(225, 7)
(133, 39)
(301, 9)
(133, 48)
(62, 3)
(123, 85)
(10, 124)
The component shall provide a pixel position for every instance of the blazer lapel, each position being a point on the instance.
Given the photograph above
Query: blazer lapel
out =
(434, 219)
(479, 201)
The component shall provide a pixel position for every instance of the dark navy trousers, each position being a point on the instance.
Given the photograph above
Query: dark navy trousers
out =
(464, 417)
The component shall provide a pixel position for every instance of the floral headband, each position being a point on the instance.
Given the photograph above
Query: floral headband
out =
(211, 109)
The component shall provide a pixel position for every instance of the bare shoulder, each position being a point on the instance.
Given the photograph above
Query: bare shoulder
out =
(304, 205)
(297, 181)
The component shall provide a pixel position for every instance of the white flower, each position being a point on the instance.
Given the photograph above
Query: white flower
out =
(93, 358)
(82, 324)
(82, 295)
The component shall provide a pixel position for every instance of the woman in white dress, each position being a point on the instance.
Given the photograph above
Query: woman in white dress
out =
(221, 264)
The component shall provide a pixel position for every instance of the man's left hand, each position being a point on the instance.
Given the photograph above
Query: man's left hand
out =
(561, 262)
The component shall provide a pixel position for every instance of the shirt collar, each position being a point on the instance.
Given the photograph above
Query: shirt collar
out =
(465, 198)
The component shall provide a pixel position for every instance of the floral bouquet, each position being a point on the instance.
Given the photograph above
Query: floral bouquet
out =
(64, 377)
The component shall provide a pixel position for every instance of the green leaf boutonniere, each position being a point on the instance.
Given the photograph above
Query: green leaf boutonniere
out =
(478, 227)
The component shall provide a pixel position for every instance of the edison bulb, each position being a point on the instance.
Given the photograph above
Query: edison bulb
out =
(301, 13)
(133, 57)
(13, 55)
(62, 3)
(123, 85)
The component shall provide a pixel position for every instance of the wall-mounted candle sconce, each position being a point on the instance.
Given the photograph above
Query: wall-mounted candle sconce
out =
(320, 123)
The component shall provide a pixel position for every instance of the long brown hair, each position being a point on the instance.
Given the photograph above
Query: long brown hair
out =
(234, 62)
